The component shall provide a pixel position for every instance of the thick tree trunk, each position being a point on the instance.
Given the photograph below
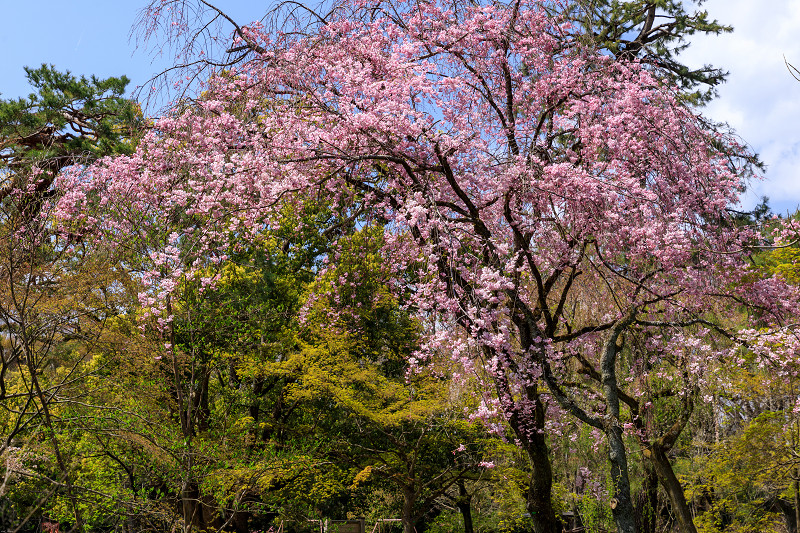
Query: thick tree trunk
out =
(187, 507)
(409, 496)
(191, 508)
(672, 486)
(788, 511)
(201, 406)
(527, 422)
(621, 504)
(647, 501)
(539, 502)
(464, 504)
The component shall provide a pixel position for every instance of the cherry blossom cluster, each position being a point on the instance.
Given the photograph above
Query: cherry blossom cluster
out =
(543, 194)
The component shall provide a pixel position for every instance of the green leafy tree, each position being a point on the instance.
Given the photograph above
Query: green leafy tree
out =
(68, 121)
(655, 32)
(402, 429)
(56, 293)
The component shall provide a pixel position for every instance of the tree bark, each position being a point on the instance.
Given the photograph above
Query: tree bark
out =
(529, 429)
(192, 508)
(539, 501)
(409, 496)
(788, 513)
(621, 504)
(647, 501)
(672, 486)
(464, 504)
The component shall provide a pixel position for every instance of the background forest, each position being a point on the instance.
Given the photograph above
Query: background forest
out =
(470, 266)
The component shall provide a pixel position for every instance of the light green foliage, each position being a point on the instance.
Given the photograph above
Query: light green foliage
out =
(739, 481)
(398, 430)
(785, 262)
(58, 293)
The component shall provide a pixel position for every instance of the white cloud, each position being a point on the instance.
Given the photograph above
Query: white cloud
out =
(761, 100)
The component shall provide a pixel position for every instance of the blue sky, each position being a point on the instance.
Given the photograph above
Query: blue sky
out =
(85, 37)
(761, 100)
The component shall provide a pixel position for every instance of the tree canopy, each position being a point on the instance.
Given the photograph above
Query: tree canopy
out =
(386, 242)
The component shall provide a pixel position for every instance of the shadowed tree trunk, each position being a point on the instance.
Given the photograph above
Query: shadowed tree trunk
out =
(647, 501)
(464, 504)
(538, 499)
(673, 488)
